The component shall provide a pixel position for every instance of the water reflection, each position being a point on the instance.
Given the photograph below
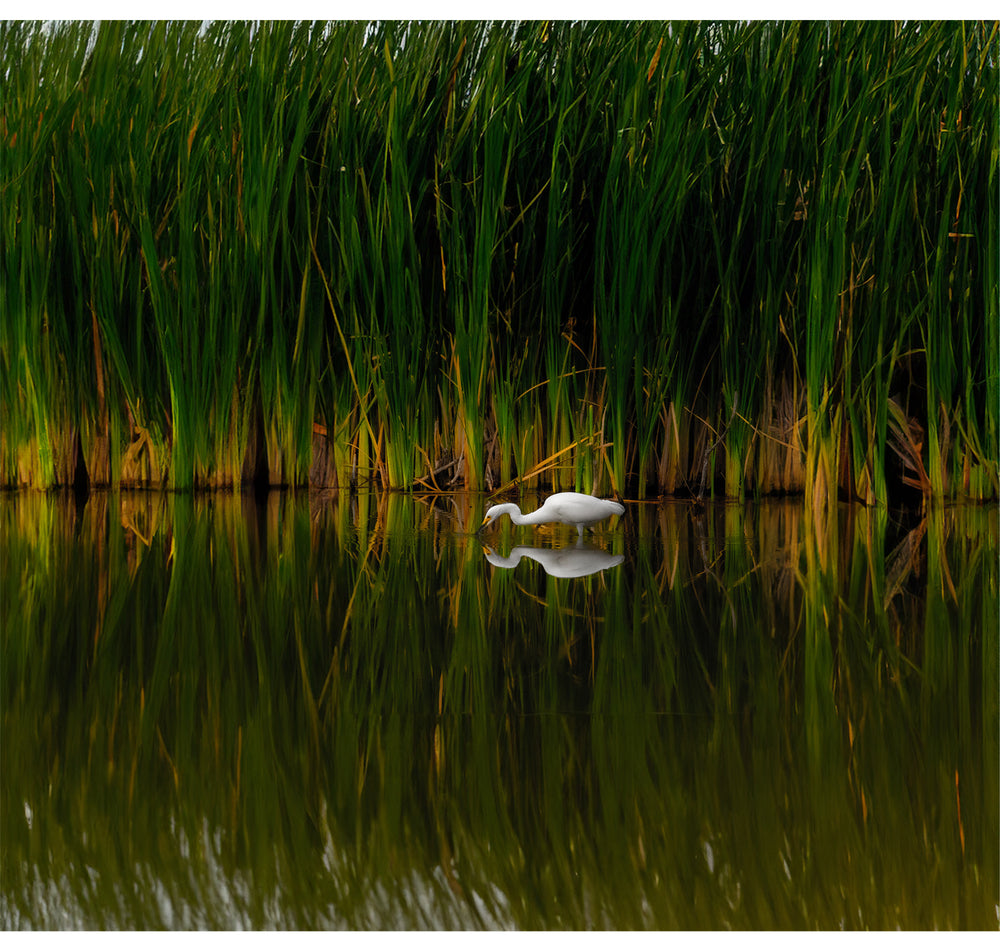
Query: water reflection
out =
(568, 561)
(333, 712)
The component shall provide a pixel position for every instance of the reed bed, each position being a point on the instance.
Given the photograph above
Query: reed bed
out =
(704, 258)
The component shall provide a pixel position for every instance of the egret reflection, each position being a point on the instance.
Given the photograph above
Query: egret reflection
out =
(571, 561)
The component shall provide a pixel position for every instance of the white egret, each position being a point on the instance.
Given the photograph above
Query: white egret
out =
(571, 509)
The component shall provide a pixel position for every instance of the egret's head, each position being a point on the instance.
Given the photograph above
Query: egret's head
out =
(493, 513)
(489, 518)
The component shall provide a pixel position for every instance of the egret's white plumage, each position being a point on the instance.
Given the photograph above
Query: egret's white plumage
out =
(571, 509)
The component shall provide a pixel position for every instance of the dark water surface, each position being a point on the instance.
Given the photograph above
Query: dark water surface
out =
(344, 713)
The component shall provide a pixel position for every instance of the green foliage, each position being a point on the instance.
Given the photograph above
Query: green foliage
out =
(609, 256)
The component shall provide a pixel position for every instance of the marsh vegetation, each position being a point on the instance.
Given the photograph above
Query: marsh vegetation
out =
(702, 258)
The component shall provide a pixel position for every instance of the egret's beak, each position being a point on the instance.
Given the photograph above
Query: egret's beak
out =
(486, 521)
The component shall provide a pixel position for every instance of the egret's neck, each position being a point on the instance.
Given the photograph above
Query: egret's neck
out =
(530, 518)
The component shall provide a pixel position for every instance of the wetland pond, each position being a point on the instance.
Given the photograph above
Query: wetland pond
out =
(323, 712)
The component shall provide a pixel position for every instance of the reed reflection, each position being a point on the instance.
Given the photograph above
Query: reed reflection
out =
(333, 712)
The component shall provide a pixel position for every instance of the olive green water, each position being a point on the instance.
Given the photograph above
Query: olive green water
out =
(327, 713)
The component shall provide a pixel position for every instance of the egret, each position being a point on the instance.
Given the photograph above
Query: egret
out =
(571, 509)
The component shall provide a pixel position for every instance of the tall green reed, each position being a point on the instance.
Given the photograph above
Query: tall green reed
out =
(654, 257)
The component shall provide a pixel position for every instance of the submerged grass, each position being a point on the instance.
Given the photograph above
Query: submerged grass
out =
(659, 258)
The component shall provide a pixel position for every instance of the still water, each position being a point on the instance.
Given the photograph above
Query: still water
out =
(332, 712)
